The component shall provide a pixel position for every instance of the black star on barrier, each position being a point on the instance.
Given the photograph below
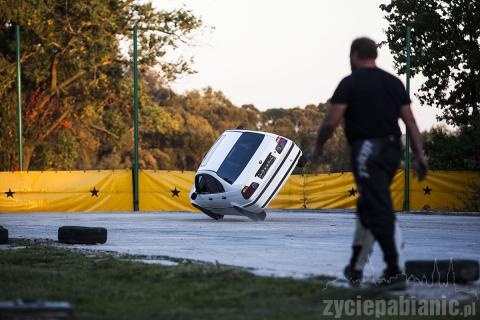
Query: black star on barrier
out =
(94, 192)
(9, 193)
(427, 190)
(175, 192)
(352, 192)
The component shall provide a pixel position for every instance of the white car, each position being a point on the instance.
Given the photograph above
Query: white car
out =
(242, 173)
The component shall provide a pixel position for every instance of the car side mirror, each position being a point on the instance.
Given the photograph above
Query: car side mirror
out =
(194, 195)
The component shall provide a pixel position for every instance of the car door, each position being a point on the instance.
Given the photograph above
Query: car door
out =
(210, 192)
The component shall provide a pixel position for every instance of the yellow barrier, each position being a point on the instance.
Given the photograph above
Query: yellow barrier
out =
(165, 190)
(111, 190)
(443, 190)
(336, 190)
(292, 195)
(66, 191)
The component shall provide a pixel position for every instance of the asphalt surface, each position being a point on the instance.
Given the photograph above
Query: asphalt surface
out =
(298, 244)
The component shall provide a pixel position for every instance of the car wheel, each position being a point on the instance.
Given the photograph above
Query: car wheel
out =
(209, 213)
(302, 161)
(82, 235)
(214, 216)
(443, 271)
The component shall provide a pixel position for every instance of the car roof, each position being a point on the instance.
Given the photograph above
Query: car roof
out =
(260, 132)
(224, 146)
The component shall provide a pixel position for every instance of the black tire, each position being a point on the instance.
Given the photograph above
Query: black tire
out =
(443, 271)
(252, 216)
(82, 235)
(209, 213)
(302, 161)
(213, 215)
(3, 235)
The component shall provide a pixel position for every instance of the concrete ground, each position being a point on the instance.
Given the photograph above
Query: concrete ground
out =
(288, 243)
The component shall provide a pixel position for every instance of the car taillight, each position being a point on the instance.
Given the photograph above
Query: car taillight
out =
(281, 142)
(247, 191)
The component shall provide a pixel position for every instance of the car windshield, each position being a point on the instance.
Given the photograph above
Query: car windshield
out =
(239, 156)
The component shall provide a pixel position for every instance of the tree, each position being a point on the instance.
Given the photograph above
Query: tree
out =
(301, 125)
(73, 67)
(443, 148)
(445, 49)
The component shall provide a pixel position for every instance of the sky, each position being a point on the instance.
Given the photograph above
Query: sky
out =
(282, 53)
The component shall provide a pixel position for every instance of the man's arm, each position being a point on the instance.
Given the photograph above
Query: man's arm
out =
(331, 121)
(420, 165)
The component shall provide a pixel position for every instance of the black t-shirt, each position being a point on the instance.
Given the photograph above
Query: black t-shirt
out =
(373, 99)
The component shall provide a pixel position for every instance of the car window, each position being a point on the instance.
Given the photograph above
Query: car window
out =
(205, 183)
(212, 149)
(239, 156)
(200, 184)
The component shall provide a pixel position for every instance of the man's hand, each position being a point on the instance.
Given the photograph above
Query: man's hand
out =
(332, 119)
(420, 167)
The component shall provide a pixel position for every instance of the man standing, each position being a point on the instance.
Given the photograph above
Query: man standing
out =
(371, 101)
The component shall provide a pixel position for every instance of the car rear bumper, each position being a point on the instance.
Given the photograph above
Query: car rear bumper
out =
(270, 188)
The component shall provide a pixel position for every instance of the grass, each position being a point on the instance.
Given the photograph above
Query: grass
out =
(102, 286)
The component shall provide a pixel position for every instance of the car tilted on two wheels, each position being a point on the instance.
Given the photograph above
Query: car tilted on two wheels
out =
(242, 173)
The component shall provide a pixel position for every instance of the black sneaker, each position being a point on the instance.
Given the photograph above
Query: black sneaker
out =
(353, 276)
(392, 281)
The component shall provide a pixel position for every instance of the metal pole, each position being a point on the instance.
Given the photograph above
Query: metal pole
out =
(19, 99)
(135, 121)
(406, 204)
